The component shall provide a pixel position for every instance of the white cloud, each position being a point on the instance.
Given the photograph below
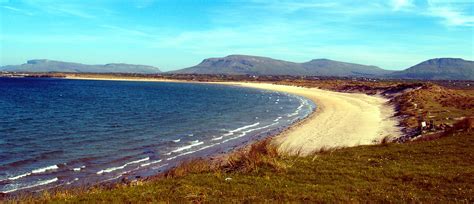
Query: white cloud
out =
(18, 10)
(452, 13)
(401, 4)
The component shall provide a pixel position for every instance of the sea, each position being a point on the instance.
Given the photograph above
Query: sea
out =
(65, 133)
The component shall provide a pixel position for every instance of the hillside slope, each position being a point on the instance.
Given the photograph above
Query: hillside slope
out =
(439, 69)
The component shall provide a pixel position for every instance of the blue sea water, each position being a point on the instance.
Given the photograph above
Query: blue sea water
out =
(58, 132)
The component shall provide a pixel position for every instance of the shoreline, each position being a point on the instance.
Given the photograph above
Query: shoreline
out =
(340, 119)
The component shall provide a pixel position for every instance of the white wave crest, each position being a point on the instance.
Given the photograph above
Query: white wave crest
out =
(19, 176)
(42, 170)
(187, 147)
(108, 170)
(39, 183)
(36, 171)
(150, 163)
(248, 131)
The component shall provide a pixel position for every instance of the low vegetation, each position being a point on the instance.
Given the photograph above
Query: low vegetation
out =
(433, 171)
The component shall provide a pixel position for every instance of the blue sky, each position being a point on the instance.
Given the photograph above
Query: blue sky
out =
(176, 34)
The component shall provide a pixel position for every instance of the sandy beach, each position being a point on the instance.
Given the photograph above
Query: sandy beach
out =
(341, 119)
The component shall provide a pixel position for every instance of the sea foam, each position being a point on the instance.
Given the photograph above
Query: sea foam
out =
(36, 171)
(187, 147)
(39, 183)
(111, 169)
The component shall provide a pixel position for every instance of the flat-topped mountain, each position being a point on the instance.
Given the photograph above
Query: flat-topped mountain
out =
(254, 65)
(439, 68)
(244, 64)
(44, 65)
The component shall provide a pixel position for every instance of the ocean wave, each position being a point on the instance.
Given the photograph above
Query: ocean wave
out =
(300, 107)
(19, 176)
(121, 174)
(36, 171)
(190, 152)
(42, 170)
(232, 132)
(111, 169)
(39, 183)
(248, 131)
(176, 141)
(277, 119)
(79, 168)
(217, 138)
(180, 149)
(228, 134)
(150, 163)
(292, 114)
(70, 182)
(245, 127)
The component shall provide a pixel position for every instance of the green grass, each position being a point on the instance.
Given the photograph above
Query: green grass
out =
(433, 171)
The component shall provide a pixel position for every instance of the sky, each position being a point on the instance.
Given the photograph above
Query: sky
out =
(172, 34)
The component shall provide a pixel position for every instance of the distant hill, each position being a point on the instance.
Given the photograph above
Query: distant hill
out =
(325, 67)
(439, 69)
(254, 65)
(43, 65)
(244, 64)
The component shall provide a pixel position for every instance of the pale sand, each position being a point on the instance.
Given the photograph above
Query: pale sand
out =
(341, 119)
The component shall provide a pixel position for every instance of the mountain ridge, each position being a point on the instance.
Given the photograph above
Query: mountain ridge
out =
(432, 69)
(46, 65)
(256, 65)
(439, 69)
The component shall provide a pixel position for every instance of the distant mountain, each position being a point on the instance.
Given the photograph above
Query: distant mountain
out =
(433, 69)
(254, 65)
(439, 69)
(325, 67)
(43, 65)
(244, 64)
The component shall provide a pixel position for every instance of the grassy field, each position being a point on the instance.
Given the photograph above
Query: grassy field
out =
(433, 171)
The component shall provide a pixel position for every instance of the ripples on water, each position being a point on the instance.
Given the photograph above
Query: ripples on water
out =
(56, 132)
